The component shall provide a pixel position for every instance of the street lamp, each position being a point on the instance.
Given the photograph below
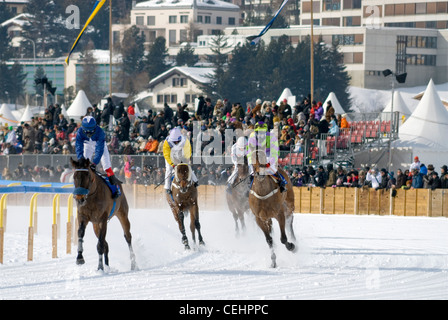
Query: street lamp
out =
(400, 78)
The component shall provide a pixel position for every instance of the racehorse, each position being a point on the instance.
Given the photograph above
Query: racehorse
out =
(267, 202)
(95, 204)
(237, 198)
(183, 198)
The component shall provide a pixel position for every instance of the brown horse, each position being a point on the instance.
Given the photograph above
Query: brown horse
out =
(183, 198)
(237, 200)
(267, 202)
(95, 204)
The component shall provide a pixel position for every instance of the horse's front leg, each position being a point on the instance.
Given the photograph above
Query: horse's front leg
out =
(180, 221)
(283, 238)
(266, 227)
(195, 225)
(102, 246)
(81, 232)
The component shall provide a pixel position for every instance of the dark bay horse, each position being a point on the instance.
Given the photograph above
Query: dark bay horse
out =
(267, 202)
(95, 204)
(237, 198)
(184, 198)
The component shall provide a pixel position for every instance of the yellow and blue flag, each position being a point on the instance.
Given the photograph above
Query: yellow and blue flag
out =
(96, 8)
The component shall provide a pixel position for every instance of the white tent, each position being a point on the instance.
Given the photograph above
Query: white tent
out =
(286, 94)
(27, 114)
(79, 106)
(399, 105)
(335, 103)
(64, 111)
(428, 124)
(6, 116)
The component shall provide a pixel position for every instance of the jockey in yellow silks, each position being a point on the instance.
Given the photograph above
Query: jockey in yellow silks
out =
(176, 150)
(268, 142)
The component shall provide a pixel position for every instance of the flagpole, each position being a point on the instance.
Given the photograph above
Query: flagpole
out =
(110, 48)
(312, 54)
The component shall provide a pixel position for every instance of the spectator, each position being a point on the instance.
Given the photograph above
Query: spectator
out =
(331, 176)
(417, 179)
(334, 129)
(435, 182)
(344, 122)
(374, 177)
(415, 165)
(401, 179)
(444, 177)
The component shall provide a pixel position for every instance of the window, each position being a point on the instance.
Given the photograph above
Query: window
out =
(183, 36)
(331, 5)
(352, 4)
(159, 98)
(231, 21)
(421, 59)
(139, 20)
(199, 19)
(174, 98)
(151, 20)
(183, 82)
(218, 20)
(172, 36)
(172, 19)
(175, 82)
(420, 8)
(208, 19)
(183, 19)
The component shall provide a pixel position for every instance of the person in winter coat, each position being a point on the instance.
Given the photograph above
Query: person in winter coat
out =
(331, 176)
(334, 129)
(319, 111)
(435, 182)
(374, 177)
(444, 177)
(118, 110)
(417, 179)
(344, 122)
(329, 111)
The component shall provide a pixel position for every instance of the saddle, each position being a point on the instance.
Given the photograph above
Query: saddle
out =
(116, 191)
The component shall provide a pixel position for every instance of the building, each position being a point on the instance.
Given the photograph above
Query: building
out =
(178, 85)
(64, 76)
(376, 13)
(179, 21)
(421, 52)
(16, 6)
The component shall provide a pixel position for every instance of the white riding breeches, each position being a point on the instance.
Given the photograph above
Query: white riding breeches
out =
(89, 150)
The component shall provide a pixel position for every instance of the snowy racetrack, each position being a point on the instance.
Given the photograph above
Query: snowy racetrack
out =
(338, 257)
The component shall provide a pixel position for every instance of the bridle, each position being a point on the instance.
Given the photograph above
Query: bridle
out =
(176, 178)
(81, 192)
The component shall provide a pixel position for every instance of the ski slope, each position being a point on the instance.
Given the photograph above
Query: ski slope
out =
(339, 257)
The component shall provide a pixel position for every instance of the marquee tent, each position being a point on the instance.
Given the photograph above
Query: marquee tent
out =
(79, 106)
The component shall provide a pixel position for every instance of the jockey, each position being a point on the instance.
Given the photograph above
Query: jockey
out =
(91, 144)
(237, 154)
(267, 142)
(176, 150)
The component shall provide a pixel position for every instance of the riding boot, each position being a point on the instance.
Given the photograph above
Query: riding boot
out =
(117, 193)
(114, 180)
(281, 181)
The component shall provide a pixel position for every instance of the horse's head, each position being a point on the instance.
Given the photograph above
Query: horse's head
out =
(182, 175)
(82, 179)
(260, 164)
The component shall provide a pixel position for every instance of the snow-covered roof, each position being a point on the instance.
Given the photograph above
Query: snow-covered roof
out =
(20, 19)
(217, 4)
(194, 73)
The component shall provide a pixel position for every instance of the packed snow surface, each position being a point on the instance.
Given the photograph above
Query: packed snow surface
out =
(338, 257)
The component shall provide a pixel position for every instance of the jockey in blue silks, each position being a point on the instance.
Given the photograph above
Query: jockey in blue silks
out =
(91, 144)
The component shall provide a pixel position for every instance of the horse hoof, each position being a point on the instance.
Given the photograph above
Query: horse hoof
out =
(187, 247)
(290, 246)
(274, 264)
(202, 243)
(80, 261)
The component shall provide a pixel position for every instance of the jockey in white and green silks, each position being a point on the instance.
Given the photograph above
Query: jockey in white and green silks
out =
(268, 142)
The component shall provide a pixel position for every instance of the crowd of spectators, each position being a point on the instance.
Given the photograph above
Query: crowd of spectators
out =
(418, 176)
(131, 134)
